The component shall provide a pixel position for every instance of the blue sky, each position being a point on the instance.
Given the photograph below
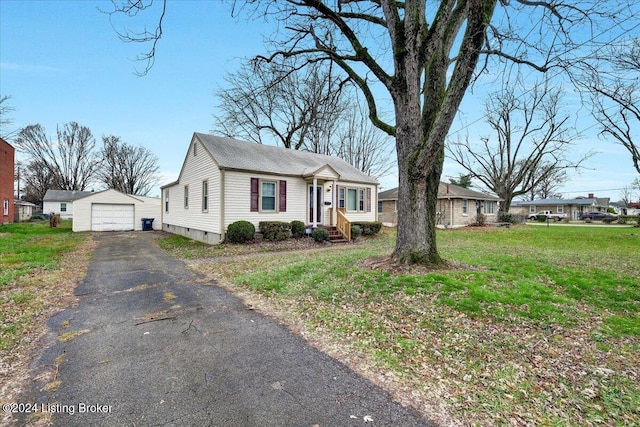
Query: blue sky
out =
(62, 61)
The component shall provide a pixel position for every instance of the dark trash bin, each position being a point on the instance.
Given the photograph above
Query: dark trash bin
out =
(147, 224)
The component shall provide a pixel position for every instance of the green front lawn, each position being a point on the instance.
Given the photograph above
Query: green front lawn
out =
(31, 255)
(530, 325)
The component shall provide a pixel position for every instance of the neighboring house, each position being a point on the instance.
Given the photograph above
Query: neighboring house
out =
(61, 202)
(223, 180)
(572, 207)
(111, 210)
(456, 207)
(7, 172)
(23, 210)
(632, 209)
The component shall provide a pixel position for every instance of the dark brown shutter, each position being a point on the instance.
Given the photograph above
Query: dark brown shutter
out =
(282, 205)
(368, 202)
(254, 194)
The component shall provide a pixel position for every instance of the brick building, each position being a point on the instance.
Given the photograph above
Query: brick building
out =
(7, 170)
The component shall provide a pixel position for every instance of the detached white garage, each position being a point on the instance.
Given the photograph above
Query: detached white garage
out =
(111, 210)
(112, 217)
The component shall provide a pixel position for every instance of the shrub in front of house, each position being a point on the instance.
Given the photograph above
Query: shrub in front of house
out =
(275, 230)
(369, 228)
(507, 217)
(320, 234)
(297, 229)
(356, 231)
(240, 232)
(541, 218)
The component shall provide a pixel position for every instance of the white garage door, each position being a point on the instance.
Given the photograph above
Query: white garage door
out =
(109, 217)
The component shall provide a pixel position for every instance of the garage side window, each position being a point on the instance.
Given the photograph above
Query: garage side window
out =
(186, 197)
(63, 207)
(166, 200)
(205, 196)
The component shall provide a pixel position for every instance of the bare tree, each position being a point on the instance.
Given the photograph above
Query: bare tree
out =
(615, 95)
(37, 180)
(297, 108)
(7, 132)
(70, 160)
(362, 145)
(548, 183)
(530, 144)
(126, 168)
(425, 59)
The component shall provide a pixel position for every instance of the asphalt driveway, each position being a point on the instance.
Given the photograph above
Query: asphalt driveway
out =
(152, 344)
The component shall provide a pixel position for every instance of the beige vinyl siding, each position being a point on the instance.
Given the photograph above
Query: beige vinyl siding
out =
(196, 169)
(356, 215)
(144, 207)
(238, 199)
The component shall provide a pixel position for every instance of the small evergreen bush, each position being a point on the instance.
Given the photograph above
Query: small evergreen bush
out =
(320, 234)
(507, 217)
(369, 228)
(240, 231)
(356, 231)
(297, 229)
(275, 230)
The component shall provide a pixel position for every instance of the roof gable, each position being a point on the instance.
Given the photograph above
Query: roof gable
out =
(64, 195)
(112, 190)
(232, 154)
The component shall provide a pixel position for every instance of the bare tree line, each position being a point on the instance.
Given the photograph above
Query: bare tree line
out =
(73, 161)
(307, 108)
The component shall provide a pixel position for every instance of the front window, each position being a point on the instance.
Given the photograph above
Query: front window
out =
(465, 206)
(268, 196)
(341, 198)
(489, 207)
(205, 195)
(63, 207)
(560, 209)
(352, 199)
(532, 209)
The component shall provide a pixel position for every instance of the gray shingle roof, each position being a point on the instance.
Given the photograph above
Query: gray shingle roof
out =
(247, 156)
(64, 195)
(554, 202)
(445, 191)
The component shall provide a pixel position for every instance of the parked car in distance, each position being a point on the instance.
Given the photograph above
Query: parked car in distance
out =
(548, 214)
(597, 216)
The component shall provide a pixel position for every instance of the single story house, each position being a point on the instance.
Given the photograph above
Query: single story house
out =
(456, 207)
(224, 180)
(572, 207)
(61, 202)
(23, 210)
(111, 210)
